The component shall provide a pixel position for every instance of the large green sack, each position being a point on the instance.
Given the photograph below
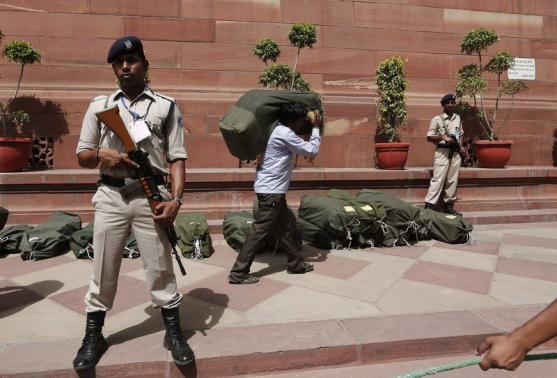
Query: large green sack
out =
(3, 217)
(10, 238)
(370, 214)
(315, 236)
(50, 238)
(247, 125)
(235, 228)
(339, 220)
(400, 214)
(447, 228)
(81, 244)
(193, 235)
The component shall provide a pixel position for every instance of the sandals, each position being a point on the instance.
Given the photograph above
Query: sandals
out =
(246, 281)
(308, 267)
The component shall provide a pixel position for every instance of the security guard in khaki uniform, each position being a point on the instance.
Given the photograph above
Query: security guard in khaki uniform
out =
(155, 123)
(445, 130)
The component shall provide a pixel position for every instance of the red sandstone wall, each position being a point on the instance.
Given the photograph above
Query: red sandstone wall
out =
(200, 52)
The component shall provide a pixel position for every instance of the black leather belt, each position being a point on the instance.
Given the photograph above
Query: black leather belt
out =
(439, 145)
(120, 182)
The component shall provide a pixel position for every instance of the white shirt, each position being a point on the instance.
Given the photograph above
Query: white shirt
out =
(275, 171)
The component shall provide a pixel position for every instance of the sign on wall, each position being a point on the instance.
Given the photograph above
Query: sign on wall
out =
(523, 69)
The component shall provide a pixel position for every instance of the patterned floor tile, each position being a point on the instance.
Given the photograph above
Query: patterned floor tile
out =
(217, 290)
(531, 269)
(472, 280)
(532, 241)
(527, 253)
(516, 290)
(412, 252)
(130, 293)
(13, 266)
(384, 272)
(479, 246)
(410, 297)
(337, 267)
(301, 304)
(464, 259)
(15, 296)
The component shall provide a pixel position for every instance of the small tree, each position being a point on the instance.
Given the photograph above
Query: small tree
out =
(300, 36)
(391, 105)
(23, 53)
(282, 75)
(471, 81)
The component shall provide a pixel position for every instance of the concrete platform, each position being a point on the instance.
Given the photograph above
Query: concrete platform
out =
(358, 307)
(510, 195)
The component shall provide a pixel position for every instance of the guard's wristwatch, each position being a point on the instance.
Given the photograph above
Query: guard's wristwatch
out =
(179, 200)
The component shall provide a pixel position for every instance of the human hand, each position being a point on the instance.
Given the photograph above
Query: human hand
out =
(502, 352)
(111, 158)
(166, 212)
(447, 139)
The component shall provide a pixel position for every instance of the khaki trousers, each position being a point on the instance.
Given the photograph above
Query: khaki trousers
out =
(114, 218)
(441, 168)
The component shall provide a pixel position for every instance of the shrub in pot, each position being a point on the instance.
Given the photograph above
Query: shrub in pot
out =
(391, 113)
(491, 152)
(14, 148)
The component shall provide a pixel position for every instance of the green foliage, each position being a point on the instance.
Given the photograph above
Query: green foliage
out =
(391, 105)
(478, 40)
(20, 117)
(280, 76)
(303, 35)
(21, 52)
(266, 49)
(512, 87)
(471, 83)
(500, 63)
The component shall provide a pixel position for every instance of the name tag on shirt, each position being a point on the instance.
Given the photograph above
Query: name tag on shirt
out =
(139, 130)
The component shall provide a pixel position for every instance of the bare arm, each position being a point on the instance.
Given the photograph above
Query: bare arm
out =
(107, 156)
(508, 351)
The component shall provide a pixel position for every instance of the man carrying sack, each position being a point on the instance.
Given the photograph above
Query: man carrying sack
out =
(445, 130)
(155, 124)
(274, 172)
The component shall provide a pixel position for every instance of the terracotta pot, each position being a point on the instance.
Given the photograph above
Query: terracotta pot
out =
(391, 155)
(493, 154)
(14, 154)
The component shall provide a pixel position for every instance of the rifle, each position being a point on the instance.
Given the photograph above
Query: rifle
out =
(111, 118)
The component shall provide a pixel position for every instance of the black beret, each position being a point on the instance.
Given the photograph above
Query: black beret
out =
(447, 98)
(125, 45)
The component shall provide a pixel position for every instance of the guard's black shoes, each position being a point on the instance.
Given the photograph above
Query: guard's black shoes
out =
(449, 209)
(93, 345)
(428, 206)
(174, 339)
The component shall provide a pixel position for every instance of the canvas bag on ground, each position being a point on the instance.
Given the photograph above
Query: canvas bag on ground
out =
(4, 213)
(370, 214)
(81, 244)
(247, 125)
(314, 236)
(400, 214)
(50, 238)
(11, 236)
(339, 220)
(447, 228)
(194, 239)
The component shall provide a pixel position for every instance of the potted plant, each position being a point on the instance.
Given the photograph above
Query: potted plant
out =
(391, 113)
(14, 148)
(491, 152)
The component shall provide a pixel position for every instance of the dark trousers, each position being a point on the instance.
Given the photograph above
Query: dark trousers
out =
(273, 217)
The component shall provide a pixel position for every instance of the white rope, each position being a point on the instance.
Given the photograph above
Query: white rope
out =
(197, 255)
(88, 250)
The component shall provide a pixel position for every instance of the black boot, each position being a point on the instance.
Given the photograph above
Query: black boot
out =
(94, 344)
(449, 209)
(428, 206)
(174, 339)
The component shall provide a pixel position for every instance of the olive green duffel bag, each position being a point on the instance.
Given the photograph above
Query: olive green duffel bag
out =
(447, 228)
(193, 234)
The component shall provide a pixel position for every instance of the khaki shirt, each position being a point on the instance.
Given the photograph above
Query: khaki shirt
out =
(153, 108)
(444, 125)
